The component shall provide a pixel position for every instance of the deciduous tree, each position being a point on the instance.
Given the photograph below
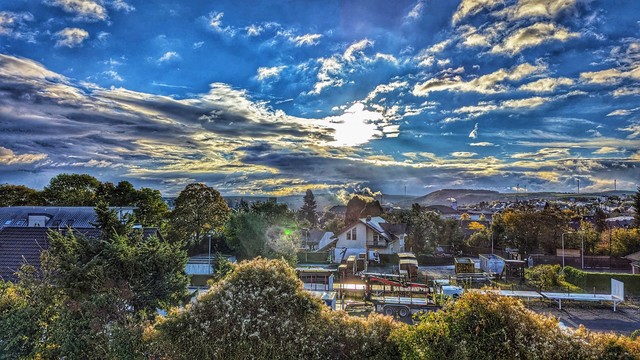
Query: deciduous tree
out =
(71, 190)
(199, 210)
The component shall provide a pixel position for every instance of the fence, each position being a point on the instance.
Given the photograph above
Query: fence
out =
(320, 257)
(590, 262)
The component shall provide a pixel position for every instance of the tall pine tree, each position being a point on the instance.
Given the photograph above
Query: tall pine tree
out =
(308, 209)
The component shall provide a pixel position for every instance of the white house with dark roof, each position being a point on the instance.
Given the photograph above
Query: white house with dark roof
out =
(368, 235)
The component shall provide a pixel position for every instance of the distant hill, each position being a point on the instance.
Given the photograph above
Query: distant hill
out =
(463, 197)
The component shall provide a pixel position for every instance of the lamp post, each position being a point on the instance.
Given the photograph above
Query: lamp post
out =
(492, 242)
(562, 237)
(210, 267)
(582, 252)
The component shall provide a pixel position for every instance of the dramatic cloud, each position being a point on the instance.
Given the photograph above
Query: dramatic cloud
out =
(71, 37)
(285, 96)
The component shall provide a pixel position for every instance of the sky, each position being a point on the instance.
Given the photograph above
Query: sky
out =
(276, 97)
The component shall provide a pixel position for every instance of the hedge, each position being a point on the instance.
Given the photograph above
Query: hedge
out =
(602, 281)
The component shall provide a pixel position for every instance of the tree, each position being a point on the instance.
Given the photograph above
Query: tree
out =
(261, 311)
(623, 242)
(360, 207)
(71, 190)
(124, 194)
(150, 210)
(19, 195)
(308, 210)
(268, 229)
(92, 296)
(485, 326)
(476, 226)
(199, 211)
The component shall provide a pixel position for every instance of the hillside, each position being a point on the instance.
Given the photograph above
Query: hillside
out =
(463, 196)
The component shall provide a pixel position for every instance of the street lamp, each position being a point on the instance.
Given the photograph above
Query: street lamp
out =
(210, 267)
(562, 237)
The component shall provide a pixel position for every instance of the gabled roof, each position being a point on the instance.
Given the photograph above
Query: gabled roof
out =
(389, 231)
(59, 216)
(23, 245)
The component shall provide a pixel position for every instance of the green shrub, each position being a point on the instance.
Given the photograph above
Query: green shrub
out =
(543, 276)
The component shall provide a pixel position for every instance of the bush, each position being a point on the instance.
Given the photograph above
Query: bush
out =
(543, 276)
(482, 326)
(601, 282)
(261, 310)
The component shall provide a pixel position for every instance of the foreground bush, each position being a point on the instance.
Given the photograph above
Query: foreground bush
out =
(481, 326)
(261, 311)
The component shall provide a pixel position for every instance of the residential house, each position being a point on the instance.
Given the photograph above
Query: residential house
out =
(368, 235)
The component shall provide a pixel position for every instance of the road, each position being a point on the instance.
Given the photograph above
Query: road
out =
(594, 317)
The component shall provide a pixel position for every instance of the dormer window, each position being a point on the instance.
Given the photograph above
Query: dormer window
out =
(351, 234)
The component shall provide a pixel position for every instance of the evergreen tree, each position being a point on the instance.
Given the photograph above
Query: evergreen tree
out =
(308, 209)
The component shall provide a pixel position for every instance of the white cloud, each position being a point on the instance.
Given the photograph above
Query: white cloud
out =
(70, 37)
(634, 129)
(463, 154)
(214, 21)
(13, 24)
(608, 150)
(611, 76)
(474, 133)
(113, 75)
(386, 88)
(482, 143)
(416, 11)
(122, 5)
(546, 85)
(198, 45)
(8, 157)
(543, 154)
(533, 35)
(622, 112)
(269, 72)
(306, 40)
(88, 10)
(355, 49)
(169, 56)
(254, 30)
(536, 8)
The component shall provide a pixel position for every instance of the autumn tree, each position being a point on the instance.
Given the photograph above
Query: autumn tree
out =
(308, 210)
(199, 211)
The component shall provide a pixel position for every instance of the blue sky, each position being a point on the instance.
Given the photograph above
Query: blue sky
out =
(274, 97)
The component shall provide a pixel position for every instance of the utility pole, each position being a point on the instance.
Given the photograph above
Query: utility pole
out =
(578, 186)
(615, 185)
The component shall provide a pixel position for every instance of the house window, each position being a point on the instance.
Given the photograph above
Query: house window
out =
(351, 234)
(376, 239)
